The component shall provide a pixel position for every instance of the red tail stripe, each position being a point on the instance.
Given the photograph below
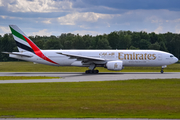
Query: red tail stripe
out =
(38, 51)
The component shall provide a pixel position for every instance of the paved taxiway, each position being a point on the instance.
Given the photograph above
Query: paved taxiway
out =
(80, 77)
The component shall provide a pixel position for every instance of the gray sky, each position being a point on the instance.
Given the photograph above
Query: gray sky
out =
(54, 17)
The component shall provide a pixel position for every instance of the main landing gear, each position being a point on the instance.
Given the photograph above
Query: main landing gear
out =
(91, 70)
(162, 68)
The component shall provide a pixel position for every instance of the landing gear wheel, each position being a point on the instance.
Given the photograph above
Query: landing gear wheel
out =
(164, 66)
(95, 71)
(162, 71)
(92, 71)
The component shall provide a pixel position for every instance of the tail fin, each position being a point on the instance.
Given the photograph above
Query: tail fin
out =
(24, 44)
(22, 41)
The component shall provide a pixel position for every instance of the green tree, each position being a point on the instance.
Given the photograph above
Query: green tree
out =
(87, 41)
(116, 40)
(124, 41)
(127, 41)
(168, 37)
(78, 42)
(113, 39)
(6, 46)
(103, 44)
(153, 37)
(154, 46)
(175, 42)
(144, 44)
(144, 35)
(136, 39)
(133, 48)
(52, 44)
(161, 41)
(1, 45)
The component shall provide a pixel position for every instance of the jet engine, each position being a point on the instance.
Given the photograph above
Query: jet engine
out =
(114, 65)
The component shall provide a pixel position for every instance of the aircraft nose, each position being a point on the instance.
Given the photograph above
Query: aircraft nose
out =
(176, 59)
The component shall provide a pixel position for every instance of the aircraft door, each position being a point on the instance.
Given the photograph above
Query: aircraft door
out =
(159, 57)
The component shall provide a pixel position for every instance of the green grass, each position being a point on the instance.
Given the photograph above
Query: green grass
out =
(30, 67)
(24, 77)
(112, 99)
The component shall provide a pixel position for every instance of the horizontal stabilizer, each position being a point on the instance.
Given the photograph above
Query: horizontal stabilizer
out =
(18, 54)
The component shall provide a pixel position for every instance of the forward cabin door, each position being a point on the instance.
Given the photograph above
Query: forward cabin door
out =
(159, 57)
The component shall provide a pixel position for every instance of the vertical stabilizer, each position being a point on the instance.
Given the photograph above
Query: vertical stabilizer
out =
(24, 44)
(22, 41)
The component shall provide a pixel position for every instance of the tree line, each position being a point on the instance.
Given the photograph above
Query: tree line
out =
(169, 42)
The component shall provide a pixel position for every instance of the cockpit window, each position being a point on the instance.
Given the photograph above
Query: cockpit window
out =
(171, 56)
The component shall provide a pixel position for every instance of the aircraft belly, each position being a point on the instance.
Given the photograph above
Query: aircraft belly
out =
(64, 61)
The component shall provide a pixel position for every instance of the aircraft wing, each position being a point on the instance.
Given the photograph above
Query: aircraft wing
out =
(18, 54)
(81, 57)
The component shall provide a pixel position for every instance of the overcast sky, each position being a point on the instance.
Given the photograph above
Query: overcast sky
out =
(54, 17)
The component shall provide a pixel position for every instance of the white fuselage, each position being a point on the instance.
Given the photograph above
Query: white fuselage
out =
(110, 59)
(129, 57)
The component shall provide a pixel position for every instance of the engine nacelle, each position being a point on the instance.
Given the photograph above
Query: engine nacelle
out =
(114, 65)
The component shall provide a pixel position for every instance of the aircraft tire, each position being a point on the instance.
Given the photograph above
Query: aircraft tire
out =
(97, 71)
(92, 71)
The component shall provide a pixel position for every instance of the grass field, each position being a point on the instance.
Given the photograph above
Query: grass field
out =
(113, 99)
(30, 67)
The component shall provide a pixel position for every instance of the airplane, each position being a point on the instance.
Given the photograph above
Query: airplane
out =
(111, 59)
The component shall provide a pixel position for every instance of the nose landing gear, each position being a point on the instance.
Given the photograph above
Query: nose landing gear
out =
(162, 68)
(162, 71)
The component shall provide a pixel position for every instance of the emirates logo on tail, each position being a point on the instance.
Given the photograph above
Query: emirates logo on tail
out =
(25, 44)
